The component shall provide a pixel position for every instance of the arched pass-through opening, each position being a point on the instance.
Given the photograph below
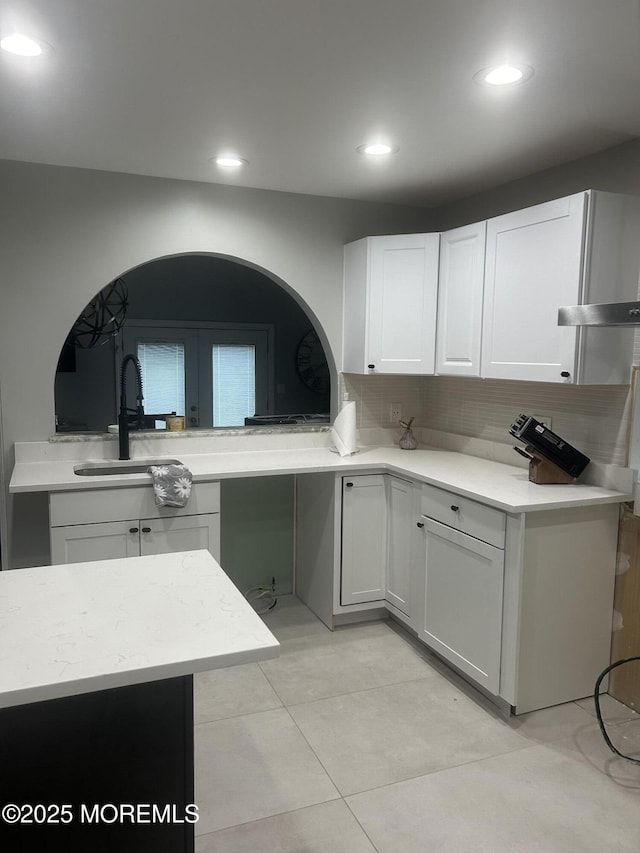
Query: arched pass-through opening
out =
(220, 341)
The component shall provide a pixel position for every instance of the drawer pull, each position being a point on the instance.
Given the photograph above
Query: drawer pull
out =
(146, 530)
(349, 485)
(371, 366)
(134, 530)
(420, 524)
(455, 508)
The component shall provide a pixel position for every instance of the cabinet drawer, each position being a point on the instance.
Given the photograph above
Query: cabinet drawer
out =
(467, 516)
(121, 504)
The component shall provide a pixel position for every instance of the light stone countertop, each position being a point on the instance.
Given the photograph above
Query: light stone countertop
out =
(494, 483)
(78, 628)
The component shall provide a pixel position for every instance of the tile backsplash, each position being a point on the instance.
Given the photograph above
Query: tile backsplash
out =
(594, 418)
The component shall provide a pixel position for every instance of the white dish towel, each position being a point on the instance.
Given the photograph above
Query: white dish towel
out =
(171, 484)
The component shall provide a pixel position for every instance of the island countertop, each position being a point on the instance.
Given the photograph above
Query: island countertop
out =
(83, 627)
(503, 486)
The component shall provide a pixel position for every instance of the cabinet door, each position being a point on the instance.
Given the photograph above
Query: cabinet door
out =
(460, 290)
(401, 527)
(364, 539)
(181, 533)
(403, 284)
(461, 602)
(533, 266)
(80, 543)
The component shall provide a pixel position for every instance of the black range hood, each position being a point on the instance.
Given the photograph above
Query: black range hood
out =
(603, 314)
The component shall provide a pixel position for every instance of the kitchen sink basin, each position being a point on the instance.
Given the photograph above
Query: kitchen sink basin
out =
(128, 466)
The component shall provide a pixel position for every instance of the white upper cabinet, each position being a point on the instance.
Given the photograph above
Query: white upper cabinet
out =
(576, 250)
(461, 283)
(390, 298)
(496, 288)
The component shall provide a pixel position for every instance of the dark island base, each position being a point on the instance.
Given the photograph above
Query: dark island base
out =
(117, 749)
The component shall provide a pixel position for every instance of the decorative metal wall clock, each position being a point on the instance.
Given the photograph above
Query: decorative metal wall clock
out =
(312, 363)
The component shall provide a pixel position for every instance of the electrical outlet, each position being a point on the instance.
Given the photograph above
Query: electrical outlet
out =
(395, 412)
(544, 419)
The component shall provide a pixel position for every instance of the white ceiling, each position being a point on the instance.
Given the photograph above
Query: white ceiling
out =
(156, 87)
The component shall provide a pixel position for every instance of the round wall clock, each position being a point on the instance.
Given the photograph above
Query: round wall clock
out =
(312, 363)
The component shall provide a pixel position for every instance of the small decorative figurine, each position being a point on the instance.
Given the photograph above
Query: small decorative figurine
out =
(407, 441)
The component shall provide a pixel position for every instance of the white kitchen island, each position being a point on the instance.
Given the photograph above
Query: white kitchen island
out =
(96, 695)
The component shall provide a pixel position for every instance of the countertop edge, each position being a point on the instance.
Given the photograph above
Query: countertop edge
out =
(127, 678)
(331, 463)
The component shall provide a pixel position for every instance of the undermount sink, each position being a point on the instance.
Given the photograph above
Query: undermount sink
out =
(129, 466)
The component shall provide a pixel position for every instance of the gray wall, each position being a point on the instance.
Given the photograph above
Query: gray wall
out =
(614, 170)
(64, 233)
(267, 505)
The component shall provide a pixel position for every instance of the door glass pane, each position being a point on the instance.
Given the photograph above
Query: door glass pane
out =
(162, 365)
(234, 383)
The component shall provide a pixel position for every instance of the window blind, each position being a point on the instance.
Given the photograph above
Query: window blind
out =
(162, 366)
(234, 383)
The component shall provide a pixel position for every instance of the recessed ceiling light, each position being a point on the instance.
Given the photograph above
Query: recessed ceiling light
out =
(377, 149)
(504, 75)
(21, 45)
(229, 161)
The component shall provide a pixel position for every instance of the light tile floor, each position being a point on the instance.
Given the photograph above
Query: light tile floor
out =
(359, 740)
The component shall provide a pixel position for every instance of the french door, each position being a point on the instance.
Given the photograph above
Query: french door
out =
(213, 376)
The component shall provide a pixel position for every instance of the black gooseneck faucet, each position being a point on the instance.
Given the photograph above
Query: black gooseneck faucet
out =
(123, 416)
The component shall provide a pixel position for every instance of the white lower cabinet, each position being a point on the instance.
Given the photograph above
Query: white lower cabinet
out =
(108, 524)
(184, 533)
(378, 527)
(461, 601)
(364, 539)
(79, 543)
(520, 604)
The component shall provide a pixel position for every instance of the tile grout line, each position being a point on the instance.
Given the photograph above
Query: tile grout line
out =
(279, 814)
(318, 759)
(341, 795)
(351, 692)
(268, 680)
(444, 769)
(525, 745)
(355, 817)
(290, 811)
